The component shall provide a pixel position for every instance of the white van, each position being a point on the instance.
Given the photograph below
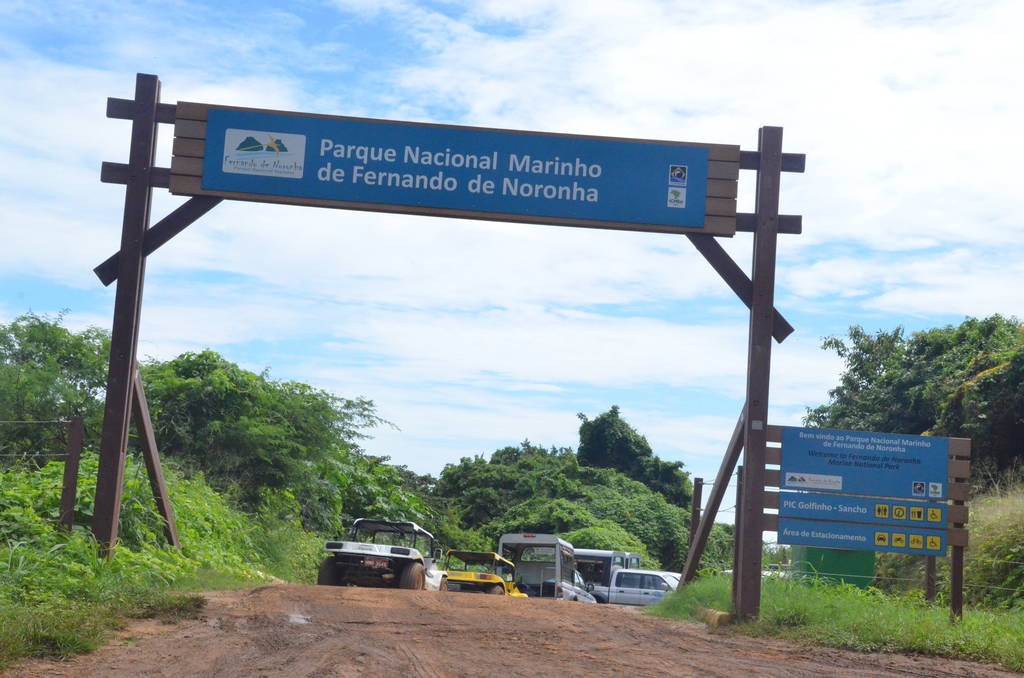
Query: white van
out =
(597, 566)
(545, 566)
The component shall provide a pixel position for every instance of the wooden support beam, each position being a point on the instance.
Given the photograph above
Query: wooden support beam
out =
(736, 279)
(144, 427)
(737, 535)
(956, 563)
(127, 306)
(725, 470)
(747, 599)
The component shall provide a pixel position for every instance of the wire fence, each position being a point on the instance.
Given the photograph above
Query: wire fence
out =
(845, 575)
(37, 421)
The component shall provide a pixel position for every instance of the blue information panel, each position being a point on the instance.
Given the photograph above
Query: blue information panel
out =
(875, 464)
(862, 537)
(456, 171)
(862, 509)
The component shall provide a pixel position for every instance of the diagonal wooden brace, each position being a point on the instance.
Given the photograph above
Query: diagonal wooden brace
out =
(736, 279)
(161, 232)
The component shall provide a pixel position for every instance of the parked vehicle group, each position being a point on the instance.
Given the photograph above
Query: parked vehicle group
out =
(401, 554)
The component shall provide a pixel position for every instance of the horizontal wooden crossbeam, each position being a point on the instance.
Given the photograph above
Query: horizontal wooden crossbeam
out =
(119, 173)
(791, 162)
(788, 223)
(127, 109)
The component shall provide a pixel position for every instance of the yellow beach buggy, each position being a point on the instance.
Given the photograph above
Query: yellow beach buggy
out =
(481, 572)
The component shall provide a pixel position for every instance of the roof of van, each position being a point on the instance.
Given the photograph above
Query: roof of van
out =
(533, 538)
(604, 552)
(678, 575)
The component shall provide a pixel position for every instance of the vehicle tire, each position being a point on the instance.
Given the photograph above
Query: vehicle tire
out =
(328, 575)
(412, 577)
(496, 590)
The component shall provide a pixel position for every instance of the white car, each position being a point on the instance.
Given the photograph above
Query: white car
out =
(641, 587)
(383, 553)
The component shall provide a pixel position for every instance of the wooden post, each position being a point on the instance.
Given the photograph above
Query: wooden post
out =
(144, 426)
(127, 304)
(929, 578)
(736, 534)
(956, 563)
(747, 601)
(73, 456)
(698, 490)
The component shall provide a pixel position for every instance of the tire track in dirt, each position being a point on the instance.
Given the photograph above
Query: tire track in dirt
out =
(320, 632)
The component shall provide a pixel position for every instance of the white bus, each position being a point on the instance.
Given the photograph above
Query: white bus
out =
(545, 566)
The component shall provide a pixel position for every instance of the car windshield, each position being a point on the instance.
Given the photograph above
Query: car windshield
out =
(384, 537)
(672, 580)
(455, 563)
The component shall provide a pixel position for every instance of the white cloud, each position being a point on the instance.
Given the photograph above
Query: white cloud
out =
(473, 335)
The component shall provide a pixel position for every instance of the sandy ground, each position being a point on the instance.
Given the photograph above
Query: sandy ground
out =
(322, 632)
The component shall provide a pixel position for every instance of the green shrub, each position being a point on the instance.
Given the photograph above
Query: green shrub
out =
(994, 567)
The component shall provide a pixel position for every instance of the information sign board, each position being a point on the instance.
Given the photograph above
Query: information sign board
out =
(875, 464)
(862, 509)
(463, 171)
(859, 537)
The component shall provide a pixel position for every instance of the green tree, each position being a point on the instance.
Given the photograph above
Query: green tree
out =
(249, 433)
(608, 441)
(962, 381)
(48, 372)
(529, 488)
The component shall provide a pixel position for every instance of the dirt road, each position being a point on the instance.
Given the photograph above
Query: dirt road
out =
(327, 632)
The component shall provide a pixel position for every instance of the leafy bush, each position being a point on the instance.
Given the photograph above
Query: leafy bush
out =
(529, 488)
(994, 567)
(40, 563)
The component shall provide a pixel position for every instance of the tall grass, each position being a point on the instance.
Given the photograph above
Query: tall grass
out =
(58, 598)
(868, 620)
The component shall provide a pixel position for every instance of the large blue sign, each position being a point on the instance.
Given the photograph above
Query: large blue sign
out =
(862, 509)
(859, 537)
(456, 171)
(874, 464)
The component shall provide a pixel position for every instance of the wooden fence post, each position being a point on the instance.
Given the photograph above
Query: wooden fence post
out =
(76, 430)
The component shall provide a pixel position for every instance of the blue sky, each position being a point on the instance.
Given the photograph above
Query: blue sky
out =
(470, 336)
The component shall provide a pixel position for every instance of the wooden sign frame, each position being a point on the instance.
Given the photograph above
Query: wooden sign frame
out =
(959, 490)
(139, 240)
